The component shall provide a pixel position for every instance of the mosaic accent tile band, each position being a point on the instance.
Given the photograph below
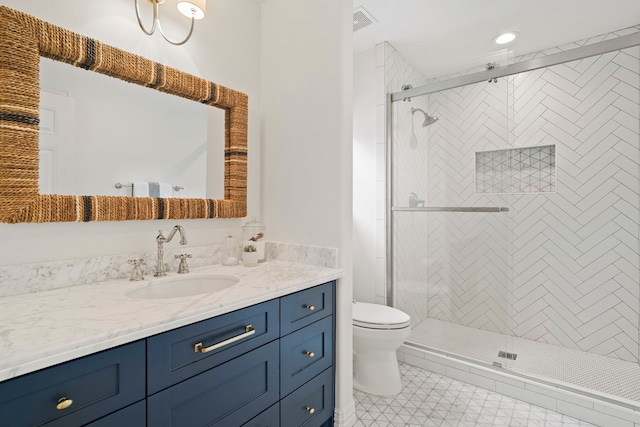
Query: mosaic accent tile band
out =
(516, 170)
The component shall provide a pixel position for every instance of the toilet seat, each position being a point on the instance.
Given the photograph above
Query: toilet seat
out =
(376, 316)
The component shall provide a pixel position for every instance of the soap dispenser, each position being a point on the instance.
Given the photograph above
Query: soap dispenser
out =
(253, 234)
(231, 251)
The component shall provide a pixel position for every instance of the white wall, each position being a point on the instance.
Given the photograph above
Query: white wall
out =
(224, 48)
(306, 86)
(302, 88)
(364, 176)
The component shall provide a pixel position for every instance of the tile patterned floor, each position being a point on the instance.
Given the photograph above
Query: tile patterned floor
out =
(430, 399)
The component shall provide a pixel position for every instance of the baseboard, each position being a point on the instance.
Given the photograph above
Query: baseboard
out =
(345, 417)
(602, 412)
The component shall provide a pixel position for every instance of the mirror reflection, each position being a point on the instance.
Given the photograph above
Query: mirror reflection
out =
(96, 131)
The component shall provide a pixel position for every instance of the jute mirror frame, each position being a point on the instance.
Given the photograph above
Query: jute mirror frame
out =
(23, 40)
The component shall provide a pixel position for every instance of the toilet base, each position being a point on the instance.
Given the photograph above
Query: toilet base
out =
(377, 372)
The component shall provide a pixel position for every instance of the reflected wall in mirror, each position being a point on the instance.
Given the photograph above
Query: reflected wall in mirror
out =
(96, 130)
(129, 149)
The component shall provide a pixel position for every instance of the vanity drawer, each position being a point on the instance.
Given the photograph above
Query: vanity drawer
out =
(305, 307)
(131, 416)
(171, 356)
(305, 353)
(269, 418)
(227, 395)
(311, 405)
(97, 385)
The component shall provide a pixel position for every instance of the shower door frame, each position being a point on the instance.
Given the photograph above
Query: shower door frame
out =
(615, 44)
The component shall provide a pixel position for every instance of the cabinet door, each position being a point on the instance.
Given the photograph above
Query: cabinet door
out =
(311, 405)
(92, 386)
(172, 356)
(131, 416)
(269, 418)
(305, 307)
(305, 353)
(227, 395)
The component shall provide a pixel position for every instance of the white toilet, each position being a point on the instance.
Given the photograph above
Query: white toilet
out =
(378, 331)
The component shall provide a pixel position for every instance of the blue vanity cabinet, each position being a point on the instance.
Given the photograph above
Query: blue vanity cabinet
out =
(307, 354)
(171, 356)
(311, 405)
(77, 392)
(305, 307)
(269, 418)
(248, 382)
(228, 395)
(131, 416)
(266, 365)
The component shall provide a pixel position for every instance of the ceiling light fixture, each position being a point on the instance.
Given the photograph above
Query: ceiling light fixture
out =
(194, 9)
(505, 38)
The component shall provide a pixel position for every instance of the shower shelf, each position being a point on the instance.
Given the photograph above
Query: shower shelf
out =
(452, 209)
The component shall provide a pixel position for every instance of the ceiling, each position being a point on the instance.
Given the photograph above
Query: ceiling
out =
(441, 36)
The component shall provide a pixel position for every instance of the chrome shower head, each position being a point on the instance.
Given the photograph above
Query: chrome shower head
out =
(428, 119)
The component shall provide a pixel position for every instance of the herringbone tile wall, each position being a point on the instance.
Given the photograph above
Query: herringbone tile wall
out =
(576, 252)
(560, 267)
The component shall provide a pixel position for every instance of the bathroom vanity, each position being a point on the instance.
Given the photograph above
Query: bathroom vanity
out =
(266, 363)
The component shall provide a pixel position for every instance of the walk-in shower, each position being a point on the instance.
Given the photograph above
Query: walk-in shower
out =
(513, 224)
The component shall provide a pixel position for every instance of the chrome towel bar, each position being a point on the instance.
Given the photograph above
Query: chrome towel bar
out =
(452, 209)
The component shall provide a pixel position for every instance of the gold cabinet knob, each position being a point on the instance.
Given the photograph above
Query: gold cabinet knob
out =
(310, 307)
(63, 403)
(309, 353)
(310, 409)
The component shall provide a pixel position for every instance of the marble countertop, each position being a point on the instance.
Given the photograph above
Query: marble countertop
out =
(41, 329)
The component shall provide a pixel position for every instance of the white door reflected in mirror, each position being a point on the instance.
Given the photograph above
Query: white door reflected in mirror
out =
(57, 143)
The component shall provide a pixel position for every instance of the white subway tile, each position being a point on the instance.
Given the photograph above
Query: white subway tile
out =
(526, 395)
(466, 376)
(589, 415)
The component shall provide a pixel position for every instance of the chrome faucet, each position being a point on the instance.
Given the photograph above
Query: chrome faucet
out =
(160, 267)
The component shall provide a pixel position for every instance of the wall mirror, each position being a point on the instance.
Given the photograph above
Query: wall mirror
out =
(26, 178)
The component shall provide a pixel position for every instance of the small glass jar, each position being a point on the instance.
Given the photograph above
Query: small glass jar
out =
(231, 251)
(253, 234)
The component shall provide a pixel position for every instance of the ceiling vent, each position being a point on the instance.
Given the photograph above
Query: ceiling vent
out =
(362, 18)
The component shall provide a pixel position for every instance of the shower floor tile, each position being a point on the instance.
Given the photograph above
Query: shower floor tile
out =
(611, 378)
(430, 399)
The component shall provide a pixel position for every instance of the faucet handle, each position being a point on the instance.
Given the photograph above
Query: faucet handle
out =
(183, 267)
(136, 273)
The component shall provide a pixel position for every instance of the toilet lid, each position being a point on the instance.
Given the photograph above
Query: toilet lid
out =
(377, 316)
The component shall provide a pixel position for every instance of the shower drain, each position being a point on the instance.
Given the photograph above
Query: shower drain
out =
(507, 355)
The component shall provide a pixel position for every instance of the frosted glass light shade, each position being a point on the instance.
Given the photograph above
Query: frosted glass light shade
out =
(195, 8)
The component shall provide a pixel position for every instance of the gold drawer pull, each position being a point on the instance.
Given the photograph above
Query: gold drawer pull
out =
(63, 403)
(309, 353)
(310, 409)
(310, 307)
(249, 330)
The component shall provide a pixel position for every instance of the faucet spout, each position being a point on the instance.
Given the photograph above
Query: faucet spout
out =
(161, 269)
(180, 229)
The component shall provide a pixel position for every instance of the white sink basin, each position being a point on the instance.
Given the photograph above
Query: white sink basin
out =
(183, 286)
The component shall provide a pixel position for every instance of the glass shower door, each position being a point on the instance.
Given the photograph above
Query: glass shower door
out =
(451, 229)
